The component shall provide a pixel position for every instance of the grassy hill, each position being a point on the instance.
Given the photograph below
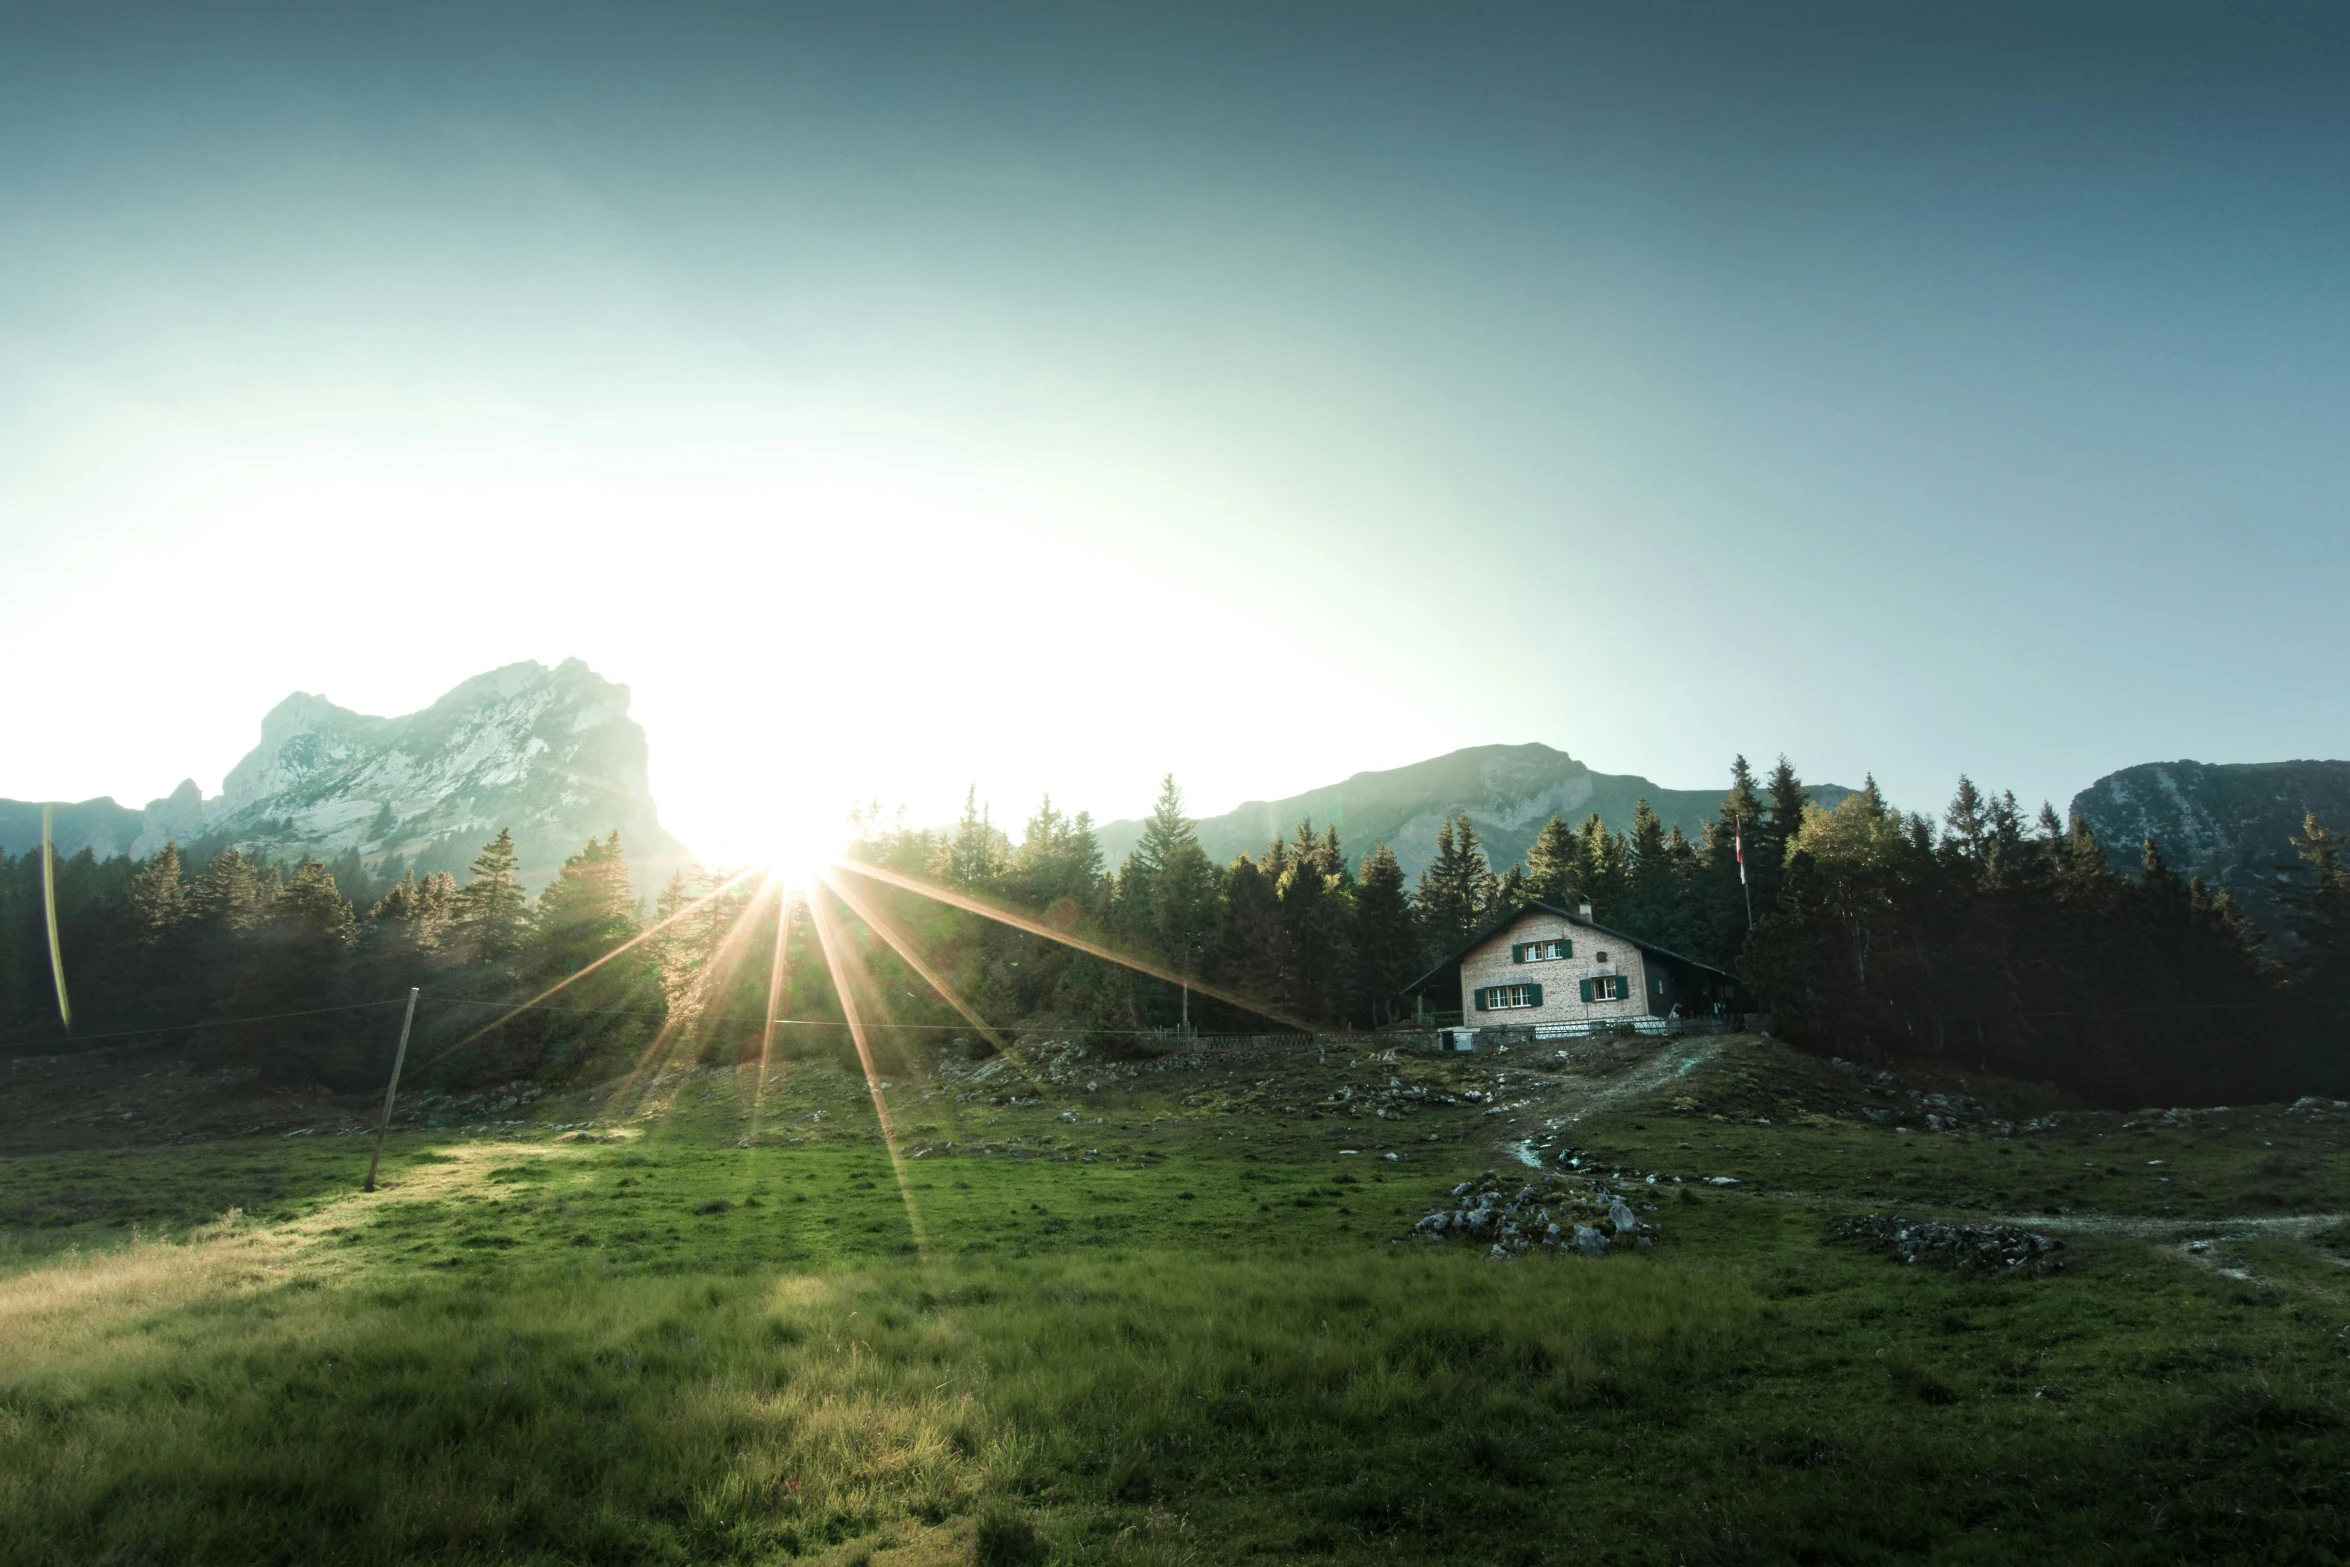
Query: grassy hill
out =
(1163, 1310)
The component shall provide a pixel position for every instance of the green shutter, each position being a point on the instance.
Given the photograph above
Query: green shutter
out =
(1534, 994)
(1480, 1000)
(1587, 990)
(1518, 952)
(1566, 949)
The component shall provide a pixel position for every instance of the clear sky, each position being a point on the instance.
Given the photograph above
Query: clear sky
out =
(1049, 397)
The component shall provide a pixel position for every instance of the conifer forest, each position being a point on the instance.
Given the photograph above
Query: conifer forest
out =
(1988, 938)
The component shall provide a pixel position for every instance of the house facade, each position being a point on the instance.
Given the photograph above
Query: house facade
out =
(1543, 965)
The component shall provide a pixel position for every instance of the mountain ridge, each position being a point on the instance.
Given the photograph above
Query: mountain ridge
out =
(2231, 823)
(1509, 792)
(549, 753)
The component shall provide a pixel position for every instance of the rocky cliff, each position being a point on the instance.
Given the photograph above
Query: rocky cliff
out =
(549, 753)
(2230, 823)
(1509, 791)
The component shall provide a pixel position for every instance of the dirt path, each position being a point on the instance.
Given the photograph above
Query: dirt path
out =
(1674, 1059)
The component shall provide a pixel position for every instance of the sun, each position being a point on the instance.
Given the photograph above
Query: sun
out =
(794, 857)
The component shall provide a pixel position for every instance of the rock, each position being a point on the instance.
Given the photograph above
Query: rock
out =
(1619, 1214)
(1965, 1248)
(1589, 1241)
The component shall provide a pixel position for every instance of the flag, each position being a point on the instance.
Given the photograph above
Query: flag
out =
(1738, 844)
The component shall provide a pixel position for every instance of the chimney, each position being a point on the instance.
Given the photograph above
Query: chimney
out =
(1584, 908)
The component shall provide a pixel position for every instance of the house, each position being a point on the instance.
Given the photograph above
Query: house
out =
(1557, 973)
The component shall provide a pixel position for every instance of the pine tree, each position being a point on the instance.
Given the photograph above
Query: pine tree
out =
(2316, 896)
(1057, 858)
(1385, 942)
(1742, 807)
(1332, 858)
(1456, 887)
(1312, 960)
(2082, 876)
(1184, 905)
(1177, 910)
(232, 894)
(977, 855)
(1554, 865)
(1648, 882)
(414, 915)
(159, 905)
(1968, 821)
(490, 909)
(586, 911)
(1166, 830)
(1606, 867)
(1786, 800)
(312, 909)
(1251, 935)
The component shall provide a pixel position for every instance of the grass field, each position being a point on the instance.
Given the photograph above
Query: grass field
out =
(1152, 1312)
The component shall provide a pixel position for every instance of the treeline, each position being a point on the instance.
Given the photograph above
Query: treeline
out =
(1991, 941)
(1301, 925)
(269, 967)
(1984, 939)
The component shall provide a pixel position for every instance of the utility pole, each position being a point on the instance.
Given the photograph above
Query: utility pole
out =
(391, 1089)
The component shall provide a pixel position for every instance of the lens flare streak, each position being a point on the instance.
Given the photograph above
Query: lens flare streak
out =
(776, 971)
(713, 977)
(642, 936)
(898, 943)
(830, 942)
(1036, 927)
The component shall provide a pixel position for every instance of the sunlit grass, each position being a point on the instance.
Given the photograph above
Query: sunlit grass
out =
(674, 1348)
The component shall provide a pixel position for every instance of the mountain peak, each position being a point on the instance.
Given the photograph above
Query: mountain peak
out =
(1508, 791)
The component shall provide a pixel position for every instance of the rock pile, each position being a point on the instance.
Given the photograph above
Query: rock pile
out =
(1963, 1248)
(1554, 1212)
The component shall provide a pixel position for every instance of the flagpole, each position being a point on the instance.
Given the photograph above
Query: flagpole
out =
(1738, 838)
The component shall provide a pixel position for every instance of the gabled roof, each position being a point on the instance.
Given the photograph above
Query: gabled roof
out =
(1535, 906)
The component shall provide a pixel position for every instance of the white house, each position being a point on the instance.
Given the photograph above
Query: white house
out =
(1541, 965)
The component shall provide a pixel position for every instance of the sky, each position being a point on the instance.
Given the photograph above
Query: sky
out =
(906, 399)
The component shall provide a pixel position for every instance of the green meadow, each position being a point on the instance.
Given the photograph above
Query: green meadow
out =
(1152, 1312)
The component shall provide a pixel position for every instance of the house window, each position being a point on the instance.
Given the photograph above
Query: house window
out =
(1607, 987)
(1501, 998)
(1550, 951)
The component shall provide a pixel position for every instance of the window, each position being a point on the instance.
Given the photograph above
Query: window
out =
(1502, 998)
(1550, 951)
(1607, 987)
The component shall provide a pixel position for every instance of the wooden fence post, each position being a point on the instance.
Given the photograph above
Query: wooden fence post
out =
(391, 1089)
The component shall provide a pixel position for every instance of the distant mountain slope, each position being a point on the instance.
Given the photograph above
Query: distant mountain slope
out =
(101, 826)
(2230, 823)
(551, 754)
(1509, 791)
